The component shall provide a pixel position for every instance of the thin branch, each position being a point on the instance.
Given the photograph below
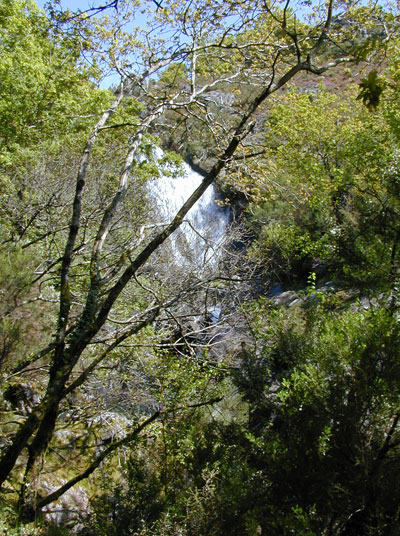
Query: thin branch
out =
(90, 12)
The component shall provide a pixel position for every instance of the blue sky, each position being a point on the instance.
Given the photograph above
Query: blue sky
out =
(71, 4)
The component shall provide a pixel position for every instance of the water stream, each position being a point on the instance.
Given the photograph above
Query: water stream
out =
(199, 240)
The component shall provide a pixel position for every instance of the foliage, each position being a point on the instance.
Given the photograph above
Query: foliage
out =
(43, 94)
(326, 202)
(318, 454)
(370, 90)
(325, 423)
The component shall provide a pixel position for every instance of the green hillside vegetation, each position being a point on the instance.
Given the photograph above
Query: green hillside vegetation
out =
(125, 408)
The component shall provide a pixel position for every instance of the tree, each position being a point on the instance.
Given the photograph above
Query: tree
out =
(323, 419)
(331, 195)
(41, 87)
(98, 261)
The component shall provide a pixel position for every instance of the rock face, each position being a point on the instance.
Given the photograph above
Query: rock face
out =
(290, 297)
(21, 397)
(72, 510)
(347, 297)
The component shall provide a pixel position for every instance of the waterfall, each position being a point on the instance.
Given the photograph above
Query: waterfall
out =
(198, 241)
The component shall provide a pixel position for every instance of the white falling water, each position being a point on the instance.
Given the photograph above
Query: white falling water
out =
(198, 241)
